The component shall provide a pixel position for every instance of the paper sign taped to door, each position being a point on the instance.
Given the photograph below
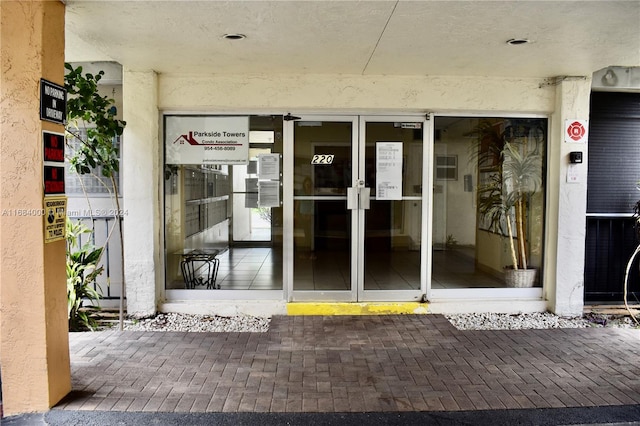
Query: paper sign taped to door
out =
(269, 166)
(388, 170)
(268, 193)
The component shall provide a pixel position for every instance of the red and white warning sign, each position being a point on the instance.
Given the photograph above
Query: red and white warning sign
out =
(575, 131)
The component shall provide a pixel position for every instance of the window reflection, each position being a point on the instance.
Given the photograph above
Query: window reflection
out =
(488, 203)
(214, 228)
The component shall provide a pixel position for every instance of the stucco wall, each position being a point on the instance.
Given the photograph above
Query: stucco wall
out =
(567, 204)
(34, 346)
(349, 92)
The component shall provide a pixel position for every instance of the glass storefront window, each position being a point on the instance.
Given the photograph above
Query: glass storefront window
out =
(217, 236)
(488, 202)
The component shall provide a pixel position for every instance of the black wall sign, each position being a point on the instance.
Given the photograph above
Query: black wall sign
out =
(53, 102)
(53, 146)
(53, 180)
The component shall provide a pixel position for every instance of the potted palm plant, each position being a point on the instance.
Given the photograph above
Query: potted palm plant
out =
(504, 199)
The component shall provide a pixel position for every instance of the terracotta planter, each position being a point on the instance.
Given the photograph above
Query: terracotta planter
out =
(520, 278)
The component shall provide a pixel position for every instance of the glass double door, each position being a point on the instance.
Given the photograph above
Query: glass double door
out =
(357, 208)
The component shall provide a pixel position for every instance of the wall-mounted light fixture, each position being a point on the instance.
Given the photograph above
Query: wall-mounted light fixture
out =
(616, 79)
(609, 78)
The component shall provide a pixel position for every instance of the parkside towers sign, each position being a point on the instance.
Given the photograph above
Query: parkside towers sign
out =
(206, 140)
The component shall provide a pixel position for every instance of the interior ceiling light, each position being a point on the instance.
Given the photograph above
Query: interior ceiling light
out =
(234, 36)
(518, 41)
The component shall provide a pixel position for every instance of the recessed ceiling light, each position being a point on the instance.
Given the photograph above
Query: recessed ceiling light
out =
(234, 36)
(518, 41)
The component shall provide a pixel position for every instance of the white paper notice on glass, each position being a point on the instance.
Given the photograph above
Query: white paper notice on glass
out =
(269, 193)
(269, 166)
(388, 170)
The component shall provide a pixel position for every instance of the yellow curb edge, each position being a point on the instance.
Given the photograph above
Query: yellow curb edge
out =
(359, 308)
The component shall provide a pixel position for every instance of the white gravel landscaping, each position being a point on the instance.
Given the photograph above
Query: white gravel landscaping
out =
(481, 321)
(537, 320)
(200, 323)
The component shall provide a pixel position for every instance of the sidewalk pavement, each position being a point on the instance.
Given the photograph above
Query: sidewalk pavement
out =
(380, 369)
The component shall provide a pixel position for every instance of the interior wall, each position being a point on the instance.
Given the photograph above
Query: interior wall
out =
(460, 204)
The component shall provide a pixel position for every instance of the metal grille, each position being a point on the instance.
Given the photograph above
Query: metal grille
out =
(610, 243)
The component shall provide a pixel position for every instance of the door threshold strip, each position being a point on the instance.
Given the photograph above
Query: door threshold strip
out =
(357, 308)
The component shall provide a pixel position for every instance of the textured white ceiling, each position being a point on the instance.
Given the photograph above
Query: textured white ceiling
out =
(357, 37)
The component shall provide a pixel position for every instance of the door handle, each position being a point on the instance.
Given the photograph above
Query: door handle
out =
(352, 198)
(358, 198)
(365, 198)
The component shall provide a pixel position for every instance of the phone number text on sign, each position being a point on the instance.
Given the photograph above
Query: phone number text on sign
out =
(219, 148)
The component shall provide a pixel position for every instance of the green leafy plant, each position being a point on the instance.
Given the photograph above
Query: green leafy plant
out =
(490, 203)
(82, 271)
(89, 110)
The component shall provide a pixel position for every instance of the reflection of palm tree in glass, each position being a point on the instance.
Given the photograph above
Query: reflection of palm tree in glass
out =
(305, 215)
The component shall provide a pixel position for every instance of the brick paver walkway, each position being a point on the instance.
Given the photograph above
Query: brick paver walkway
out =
(354, 364)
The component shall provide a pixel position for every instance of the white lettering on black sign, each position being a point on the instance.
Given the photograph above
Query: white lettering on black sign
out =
(53, 102)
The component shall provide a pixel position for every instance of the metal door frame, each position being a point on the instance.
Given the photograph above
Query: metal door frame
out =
(358, 146)
(288, 213)
(425, 255)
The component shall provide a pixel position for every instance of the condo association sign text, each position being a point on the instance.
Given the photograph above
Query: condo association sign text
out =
(206, 140)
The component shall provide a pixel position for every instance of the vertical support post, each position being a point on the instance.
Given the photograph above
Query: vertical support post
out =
(34, 339)
(567, 206)
(141, 174)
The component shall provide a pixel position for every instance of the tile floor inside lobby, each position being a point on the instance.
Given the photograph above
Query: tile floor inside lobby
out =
(260, 268)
